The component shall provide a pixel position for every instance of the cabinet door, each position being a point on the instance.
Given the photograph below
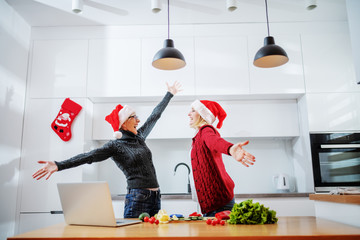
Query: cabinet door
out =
(184, 206)
(287, 78)
(40, 142)
(153, 80)
(58, 68)
(33, 221)
(331, 112)
(328, 63)
(174, 115)
(221, 65)
(260, 118)
(114, 68)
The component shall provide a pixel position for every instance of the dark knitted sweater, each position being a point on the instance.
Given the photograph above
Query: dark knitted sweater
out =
(214, 187)
(130, 153)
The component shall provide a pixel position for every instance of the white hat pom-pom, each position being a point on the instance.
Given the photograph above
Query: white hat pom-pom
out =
(117, 135)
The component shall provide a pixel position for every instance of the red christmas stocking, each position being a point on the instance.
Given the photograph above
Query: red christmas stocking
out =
(62, 124)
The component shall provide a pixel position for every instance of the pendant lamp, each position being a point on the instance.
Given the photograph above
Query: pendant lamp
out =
(168, 58)
(270, 55)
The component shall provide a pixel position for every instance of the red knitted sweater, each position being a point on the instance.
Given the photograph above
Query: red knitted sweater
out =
(214, 187)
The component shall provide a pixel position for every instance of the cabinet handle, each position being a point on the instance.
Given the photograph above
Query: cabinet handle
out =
(56, 212)
(340, 145)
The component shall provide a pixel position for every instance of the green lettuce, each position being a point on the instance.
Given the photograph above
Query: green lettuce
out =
(248, 212)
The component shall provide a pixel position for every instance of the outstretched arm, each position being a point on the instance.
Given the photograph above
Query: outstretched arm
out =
(150, 122)
(240, 155)
(175, 88)
(48, 169)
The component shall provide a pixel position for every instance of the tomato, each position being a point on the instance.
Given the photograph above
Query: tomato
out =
(146, 219)
(222, 222)
(156, 221)
(151, 220)
(208, 221)
(213, 222)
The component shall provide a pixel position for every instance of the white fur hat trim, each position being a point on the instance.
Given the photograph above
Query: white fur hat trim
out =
(204, 112)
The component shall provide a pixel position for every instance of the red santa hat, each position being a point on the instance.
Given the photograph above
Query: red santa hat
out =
(117, 117)
(209, 111)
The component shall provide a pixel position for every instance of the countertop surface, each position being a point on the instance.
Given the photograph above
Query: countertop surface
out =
(247, 195)
(286, 228)
(348, 199)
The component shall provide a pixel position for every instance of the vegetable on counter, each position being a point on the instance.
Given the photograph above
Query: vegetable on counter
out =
(176, 215)
(223, 215)
(195, 214)
(247, 212)
(143, 215)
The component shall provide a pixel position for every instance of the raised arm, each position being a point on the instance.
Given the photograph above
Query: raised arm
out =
(145, 129)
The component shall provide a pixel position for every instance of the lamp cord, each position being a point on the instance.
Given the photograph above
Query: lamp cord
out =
(168, 19)
(267, 17)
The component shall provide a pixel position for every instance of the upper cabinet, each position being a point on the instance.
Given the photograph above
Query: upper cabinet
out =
(328, 63)
(245, 118)
(221, 65)
(153, 80)
(287, 78)
(329, 112)
(58, 68)
(114, 68)
(260, 118)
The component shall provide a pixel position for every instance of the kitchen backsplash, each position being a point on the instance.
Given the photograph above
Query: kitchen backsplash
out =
(273, 156)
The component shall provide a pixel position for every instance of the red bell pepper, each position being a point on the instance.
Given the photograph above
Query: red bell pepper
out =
(223, 215)
(195, 214)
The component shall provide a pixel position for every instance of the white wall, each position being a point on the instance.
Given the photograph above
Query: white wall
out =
(353, 7)
(14, 48)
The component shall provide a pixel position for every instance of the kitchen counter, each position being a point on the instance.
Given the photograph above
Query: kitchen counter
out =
(286, 228)
(349, 199)
(248, 195)
(341, 208)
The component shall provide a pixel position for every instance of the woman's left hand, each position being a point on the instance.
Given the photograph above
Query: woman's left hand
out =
(175, 88)
(240, 155)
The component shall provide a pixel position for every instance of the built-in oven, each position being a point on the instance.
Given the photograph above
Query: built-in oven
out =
(336, 160)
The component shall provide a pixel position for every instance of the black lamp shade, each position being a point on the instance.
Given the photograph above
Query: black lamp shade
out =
(168, 58)
(270, 55)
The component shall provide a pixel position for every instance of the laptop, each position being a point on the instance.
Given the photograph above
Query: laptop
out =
(90, 204)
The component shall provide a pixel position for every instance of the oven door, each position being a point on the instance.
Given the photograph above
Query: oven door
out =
(336, 165)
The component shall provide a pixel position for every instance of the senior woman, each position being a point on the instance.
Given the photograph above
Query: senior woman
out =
(214, 187)
(130, 154)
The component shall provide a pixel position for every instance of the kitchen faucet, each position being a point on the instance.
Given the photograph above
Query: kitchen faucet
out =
(189, 188)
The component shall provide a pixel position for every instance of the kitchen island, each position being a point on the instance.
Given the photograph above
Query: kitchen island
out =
(286, 228)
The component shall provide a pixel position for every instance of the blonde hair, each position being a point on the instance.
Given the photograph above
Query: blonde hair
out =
(200, 122)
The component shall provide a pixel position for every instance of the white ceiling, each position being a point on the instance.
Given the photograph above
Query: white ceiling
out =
(130, 12)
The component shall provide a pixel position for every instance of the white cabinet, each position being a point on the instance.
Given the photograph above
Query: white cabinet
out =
(33, 221)
(58, 68)
(183, 206)
(287, 206)
(40, 142)
(333, 111)
(246, 118)
(221, 65)
(328, 63)
(153, 80)
(260, 118)
(172, 124)
(287, 78)
(114, 68)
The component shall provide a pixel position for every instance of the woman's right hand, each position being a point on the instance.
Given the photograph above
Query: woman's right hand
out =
(48, 169)
(240, 155)
(175, 88)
